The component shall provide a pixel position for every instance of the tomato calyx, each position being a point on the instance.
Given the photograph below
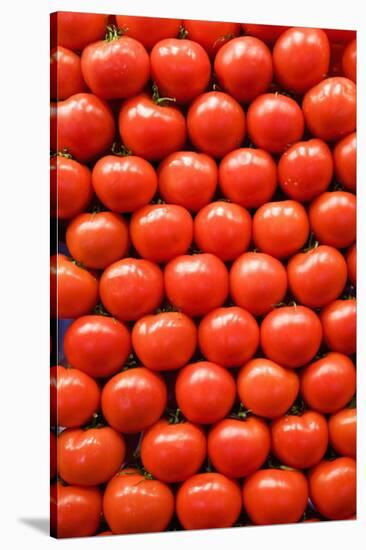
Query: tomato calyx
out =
(113, 33)
(183, 33)
(97, 421)
(222, 39)
(298, 408)
(241, 414)
(311, 245)
(175, 416)
(100, 310)
(131, 363)
(291, 303)
(167, 308)
(63, 153)
(161, 101)
(353, 403)
(273, 463)
(120, 150)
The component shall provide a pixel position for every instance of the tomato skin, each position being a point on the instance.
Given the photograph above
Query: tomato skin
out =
(211, 35)
(333, 488)
(349, 61)
(131, 288)
(339, 319)
(351, 258)
(53, 455)
(105, 534)
(275, 496)
(340, 36)
(205, 392)
(332, 218)
(268, 33)
(345, 158)
(223, 229)
(305, 170)
(148, 30)
(165, 341)
(291, 335)
(343, 432)
(209, 500)
(330, 108)
(173, 452)
(228, 336)
(133, 400)
(266, 388)
(77, 30)
(70, 187)
(216, 123)
(160, 232)
(65, 74)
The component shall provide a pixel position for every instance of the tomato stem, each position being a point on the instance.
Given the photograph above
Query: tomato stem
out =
(64, 153)
(113, 33)
(183, 33)
(160, 100)
(312, 243)
(120, 150)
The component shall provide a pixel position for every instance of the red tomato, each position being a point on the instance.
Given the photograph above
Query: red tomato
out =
(332, 218)
(291, 336)
(268, 33)
(335, 65)
(275, 122)
(223, 229)
(53, 455)
(340, 36)
(305, 170)
(228, 336)
(351, 258)
(267, 389)
(349, 60)
(275, 496)
(280, 228)
(148, 30)
(333, 488)
(131, 288)
(216, 124)
(77, 30)
(339, 326)
(208, 501)
(105, 534)
(196, 284)
(65, 74)
(345, 159)
(211, 34)
(330, 108)
(317, 277)
(133, 400)
(205, 392)
(165, 341)
(70, 187)
(343, 432)
(173, 452)
(160, 232)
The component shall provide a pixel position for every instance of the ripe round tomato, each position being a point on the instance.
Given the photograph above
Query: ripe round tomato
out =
(205, 392)
(333, 488)
(343, 432)
(53, 454)
(305, 170)
(317, 277)
(188, 179)
(345, 158)
(351, 258)
(133, 504)
(275, 496)
(224, 229)
(291, 336)
(268, 33)
(275, 122)
(70, 187)
(77, 30)
(66, 78)
(216, 124)
(237, 448)
(228, 336)
(339, 326)
(330, 108)
(301, 58)
(340, 36)
(160, 232)
(211, 34)
(248, 177)
(332, 218)
(208, 501)
(173, 452)
(133, 400)
(148, 30)
(349, 61)
(266, 388)
(89, 457)
(131, 288)
(327, 385)
(74, 397)
(280, 228)
(165, 341)
(196, 284)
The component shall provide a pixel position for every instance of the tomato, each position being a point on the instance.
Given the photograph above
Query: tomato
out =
(343, 432)
(77, 30)
(345, 159)
(266, 388)
(75, 511)
(151, 129)
(148, 30)
(339, 326)
(305, 170)
(336, 54)
(328, 384)
(317, 277)
(53, 455)
(181, 68)
(97, 345)
(349, 61)
(66, 78)
(291, 335)
(275, 122)
(133, 504)
(70, 187)
(243, 68)
(351, 258)
(280, 228)
(211, 34)
(275, 496)
(268, 33)
(332, 218)
(205, 392)
(216, 124)
(74, 291)
(196, 284)
(131, 288)
(159, 232)
(173, 452)
(207, 501)
(330, 108)
(333, 488)
(223, 229)
(340, 36)
(301, 58)
(248, 177)
(237, 448)
(165, 341)
(133, 400)
(228, 336)
(188, 179)
(105, 534)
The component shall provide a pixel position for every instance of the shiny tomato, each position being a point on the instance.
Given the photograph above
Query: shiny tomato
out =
(332, 217)
(343, 432)
(351, 258)
(345, 159)
(339, 36)
(53, 454)
(339, 326)
(211, 34)
(65, 74)
(148, 30)
(77, 30)
(349, 61)
(268, 33)
(70, 187)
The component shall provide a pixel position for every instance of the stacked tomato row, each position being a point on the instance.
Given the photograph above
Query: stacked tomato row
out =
(204, 180)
